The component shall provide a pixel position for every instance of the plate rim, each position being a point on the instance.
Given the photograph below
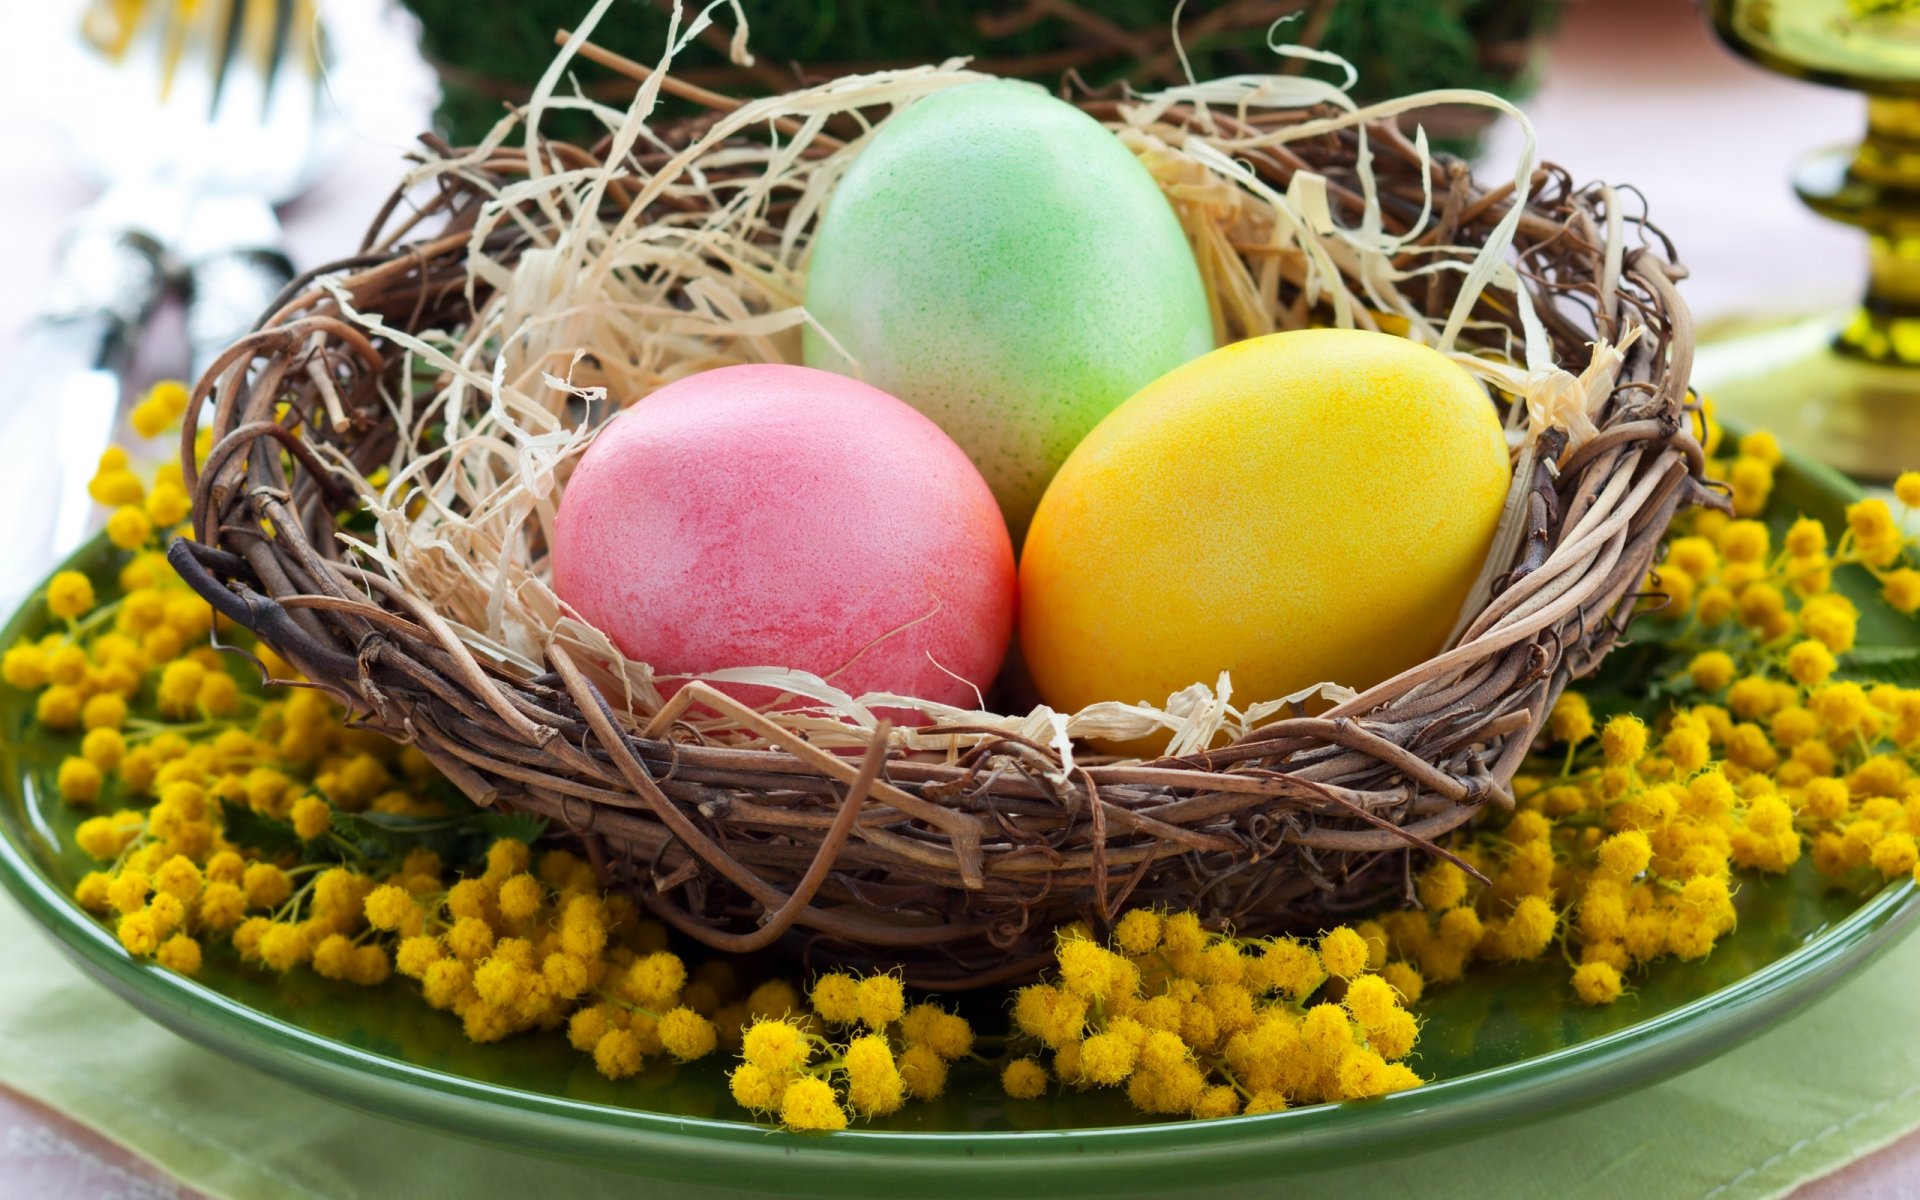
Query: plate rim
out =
(1734, 1012)
(684, 1147)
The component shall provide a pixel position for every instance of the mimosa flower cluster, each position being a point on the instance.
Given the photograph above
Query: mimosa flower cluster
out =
(1754, 749)
(228, 813)
(1197, 1023)
(862, 1051)
(232, 813)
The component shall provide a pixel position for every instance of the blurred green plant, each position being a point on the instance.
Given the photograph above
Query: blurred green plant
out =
(489, 54)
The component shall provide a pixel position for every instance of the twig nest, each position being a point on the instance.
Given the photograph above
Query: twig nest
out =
(391, 448)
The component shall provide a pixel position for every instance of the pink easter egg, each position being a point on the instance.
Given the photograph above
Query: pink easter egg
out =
(782, 516)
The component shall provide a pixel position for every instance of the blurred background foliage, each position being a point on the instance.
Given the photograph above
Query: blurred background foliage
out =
(490, 53)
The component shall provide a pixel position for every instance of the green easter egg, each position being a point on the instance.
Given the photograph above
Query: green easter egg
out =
(1004, 264)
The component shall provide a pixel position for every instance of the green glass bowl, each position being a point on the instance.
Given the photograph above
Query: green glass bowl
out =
(1506, 1046)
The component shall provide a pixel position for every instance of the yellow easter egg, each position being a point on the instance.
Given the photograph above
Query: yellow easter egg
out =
(1304, 507)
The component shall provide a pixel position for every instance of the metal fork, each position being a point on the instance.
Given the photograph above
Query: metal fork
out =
(209, 117)
(268, 115)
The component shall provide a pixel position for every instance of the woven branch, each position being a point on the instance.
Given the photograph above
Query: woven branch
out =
(957, 864)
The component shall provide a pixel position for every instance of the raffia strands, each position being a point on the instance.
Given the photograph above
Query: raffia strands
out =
(390, 445)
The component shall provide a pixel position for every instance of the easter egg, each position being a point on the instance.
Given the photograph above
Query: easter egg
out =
(780, 516)
(1294, 509)
(1004, 264)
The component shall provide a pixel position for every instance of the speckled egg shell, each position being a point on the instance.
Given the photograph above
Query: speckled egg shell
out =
(1004, 264)
(782, 516)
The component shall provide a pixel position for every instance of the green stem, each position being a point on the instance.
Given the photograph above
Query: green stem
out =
(77, 628)
(145, 727)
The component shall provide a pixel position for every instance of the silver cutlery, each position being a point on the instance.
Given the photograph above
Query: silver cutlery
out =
(198, 120)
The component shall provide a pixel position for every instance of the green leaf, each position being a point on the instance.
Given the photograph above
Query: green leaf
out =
(1883, 664)
(249, 828)
(1639, 677)
(520, 826)
(368, 840)
(403, 823)
(460, 838)
(1878, 656)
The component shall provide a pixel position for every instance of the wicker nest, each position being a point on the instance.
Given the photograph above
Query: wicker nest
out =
(958, 863)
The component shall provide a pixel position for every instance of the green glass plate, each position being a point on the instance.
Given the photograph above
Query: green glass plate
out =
(1506, 1046)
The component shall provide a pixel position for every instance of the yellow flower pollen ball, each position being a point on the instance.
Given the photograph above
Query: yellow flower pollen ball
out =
(1303, 507)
